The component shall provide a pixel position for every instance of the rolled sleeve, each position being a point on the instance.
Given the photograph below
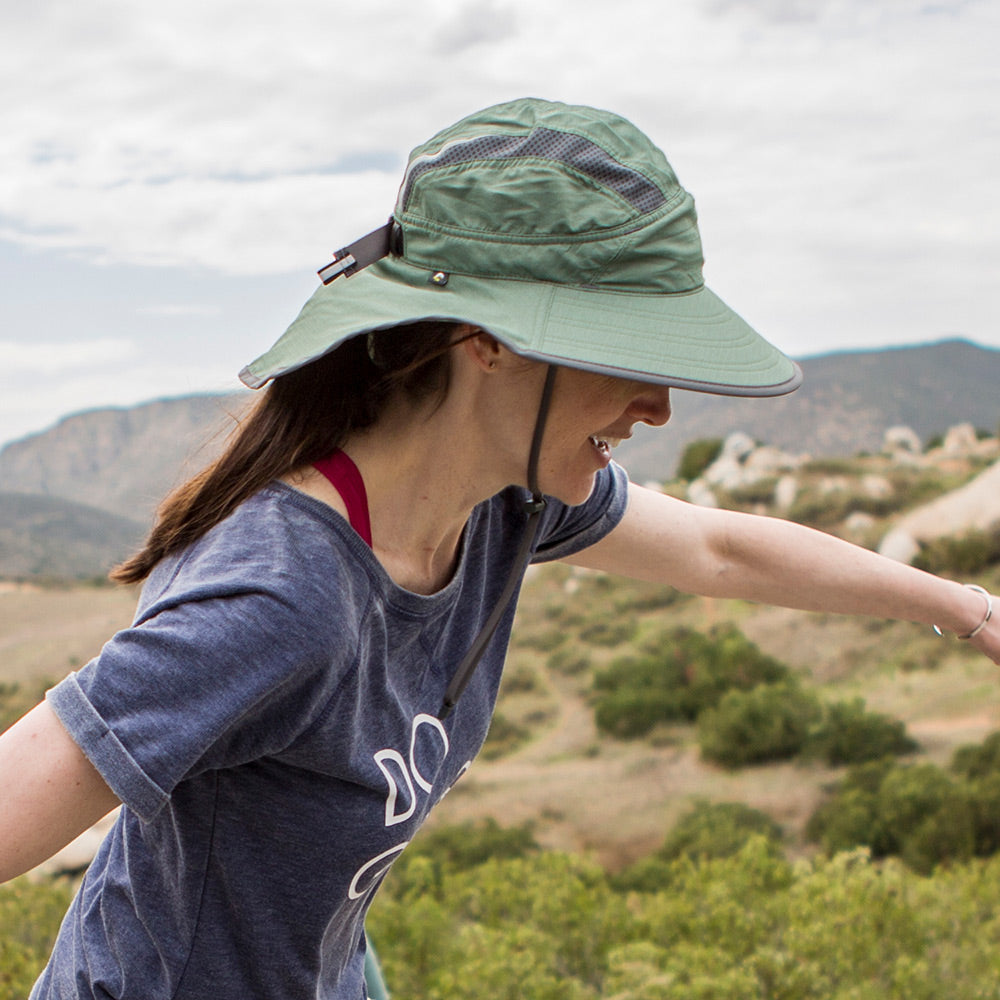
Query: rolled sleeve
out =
(569, 530)
(104, 750)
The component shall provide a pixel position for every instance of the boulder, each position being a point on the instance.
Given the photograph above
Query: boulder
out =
(899, 545)
(700, 493)
(974, 506)
(785, 492)
(960, 440)
(876, 487)
(901, 439)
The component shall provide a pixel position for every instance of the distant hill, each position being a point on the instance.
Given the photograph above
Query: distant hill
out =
(48, 537)
(844, 407)
(122, 461)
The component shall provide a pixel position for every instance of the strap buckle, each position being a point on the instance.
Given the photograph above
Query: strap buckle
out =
(342, 263)
(374, 246)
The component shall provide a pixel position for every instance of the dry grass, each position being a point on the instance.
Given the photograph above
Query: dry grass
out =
(47, 632)
(581, 790)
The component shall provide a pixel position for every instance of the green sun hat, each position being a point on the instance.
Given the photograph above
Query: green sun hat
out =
(563, 231)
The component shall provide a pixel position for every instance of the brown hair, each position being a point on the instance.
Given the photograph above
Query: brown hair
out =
(303, 416)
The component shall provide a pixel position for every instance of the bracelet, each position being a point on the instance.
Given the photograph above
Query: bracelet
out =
(986, 617)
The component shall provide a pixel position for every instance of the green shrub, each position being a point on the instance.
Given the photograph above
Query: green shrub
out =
(908, 796)
(609, 633)
(466, 845)
(768, 723)
(977, 760)
(984, 801)
(504, 737)
(697, 457)
(519, 678)
(30, 915)
(628, 713)
(677, 676)
(551, 927)
(709, 830)
(946, 835)
(750, 494)
(849, 734)
(17, 699)
(569, 661)
(916, 811)
(544, 642)
(719, 830)
(964, 554)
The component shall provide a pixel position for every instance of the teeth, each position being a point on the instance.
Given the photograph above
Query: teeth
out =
(605, 444)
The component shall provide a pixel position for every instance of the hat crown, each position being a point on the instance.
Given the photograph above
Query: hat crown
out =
(543, 191)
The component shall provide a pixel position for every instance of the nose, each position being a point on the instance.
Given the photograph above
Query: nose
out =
(651, 405)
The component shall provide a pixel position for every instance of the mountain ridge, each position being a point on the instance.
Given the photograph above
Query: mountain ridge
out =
(123, 460)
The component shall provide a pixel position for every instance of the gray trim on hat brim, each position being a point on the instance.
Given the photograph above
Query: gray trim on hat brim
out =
(690, 340)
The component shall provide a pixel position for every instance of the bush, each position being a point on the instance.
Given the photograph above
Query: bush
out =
(915, 811)
(569, 661)
(466, 845)
(984, 801)
(908, 796)
(977, 760)
(769, 723)
(629, 713)
(609, 633)
(849, 734)
(697, 457)
(17, 699)
(709, 830)
(964, 554)
(746, 926)
(30, 915)
(678, 675)
(719, 830)
(504, 737)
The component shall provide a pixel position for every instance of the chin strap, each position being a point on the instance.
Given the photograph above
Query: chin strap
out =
(533, 507)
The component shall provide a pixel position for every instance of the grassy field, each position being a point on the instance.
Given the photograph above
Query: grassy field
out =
(616, 799)
(581, 790)
(45, 632)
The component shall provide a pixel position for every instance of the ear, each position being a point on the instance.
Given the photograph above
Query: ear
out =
(483, 349)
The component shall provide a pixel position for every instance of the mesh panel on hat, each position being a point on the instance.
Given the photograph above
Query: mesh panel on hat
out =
(542, 143)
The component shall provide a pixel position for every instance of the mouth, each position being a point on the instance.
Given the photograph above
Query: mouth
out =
(604, 444)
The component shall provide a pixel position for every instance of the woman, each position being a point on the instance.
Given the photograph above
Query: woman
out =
(320, 636)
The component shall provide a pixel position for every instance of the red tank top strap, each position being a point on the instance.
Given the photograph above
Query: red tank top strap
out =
(345, 478)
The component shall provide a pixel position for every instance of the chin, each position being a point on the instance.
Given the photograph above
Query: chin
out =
(575, 495)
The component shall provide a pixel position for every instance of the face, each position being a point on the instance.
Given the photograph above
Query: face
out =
(589, 416)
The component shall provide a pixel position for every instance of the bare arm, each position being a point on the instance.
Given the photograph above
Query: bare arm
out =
(721, 553)
(49, 792)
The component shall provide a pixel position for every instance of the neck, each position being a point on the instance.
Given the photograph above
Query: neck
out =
(423, 480)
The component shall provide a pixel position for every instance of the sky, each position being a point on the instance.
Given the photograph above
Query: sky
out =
(173, 174)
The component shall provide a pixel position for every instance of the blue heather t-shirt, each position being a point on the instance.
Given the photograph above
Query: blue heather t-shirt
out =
(270, 724)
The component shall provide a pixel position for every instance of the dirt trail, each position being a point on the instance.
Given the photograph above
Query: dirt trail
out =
(618, 800)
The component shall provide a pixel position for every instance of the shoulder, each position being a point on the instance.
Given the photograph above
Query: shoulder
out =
(566, 530)
(292, 554)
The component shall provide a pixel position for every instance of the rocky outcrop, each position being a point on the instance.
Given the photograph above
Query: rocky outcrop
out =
(974, 506)
(743, 463)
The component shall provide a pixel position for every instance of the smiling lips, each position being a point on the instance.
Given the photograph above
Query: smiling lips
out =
(604, 445)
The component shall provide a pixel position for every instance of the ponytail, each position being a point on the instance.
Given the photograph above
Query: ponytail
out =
(303, 416)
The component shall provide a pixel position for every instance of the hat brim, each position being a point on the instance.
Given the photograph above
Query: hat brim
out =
(690, 340)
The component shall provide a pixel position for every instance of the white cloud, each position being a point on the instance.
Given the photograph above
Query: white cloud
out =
(174, 310)
(18, 359)
(843, 153)
(43, 396)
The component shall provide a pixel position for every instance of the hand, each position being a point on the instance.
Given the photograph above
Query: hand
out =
(988, 641)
